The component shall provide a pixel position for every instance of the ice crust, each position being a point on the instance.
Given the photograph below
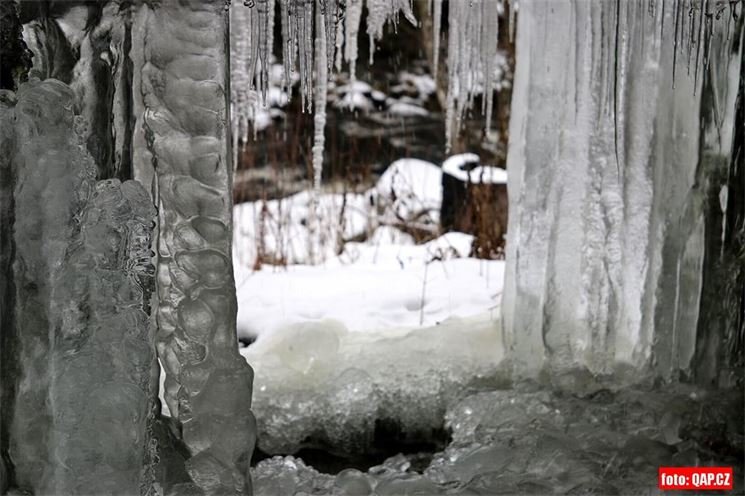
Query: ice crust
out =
(584, 437)
(319, 384)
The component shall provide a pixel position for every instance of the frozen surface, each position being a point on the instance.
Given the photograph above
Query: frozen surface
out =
(583, 437)
(318, 384)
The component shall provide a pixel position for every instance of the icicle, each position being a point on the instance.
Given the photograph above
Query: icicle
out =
(351, 31)
(330, 9)
(306, 51)
(240, 46)
(513, 24)
(319, 124)
(472, 55)
(289, 42)
(381, 11)
(454, 29)
(436, 25)
(269, 43)
(252, 54)
(264, 49)
(489, 39)
(339, 37)
(377, 14)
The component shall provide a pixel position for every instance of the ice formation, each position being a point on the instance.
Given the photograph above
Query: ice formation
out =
(610, 232)
(472, 53)
(184, 145)
(82, 276)
(609, 177)
(334, 25)
(317, 384)
(528, 440)
(139, 92)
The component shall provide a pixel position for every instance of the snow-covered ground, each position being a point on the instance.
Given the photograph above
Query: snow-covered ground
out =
(387, 285)
(379, 281)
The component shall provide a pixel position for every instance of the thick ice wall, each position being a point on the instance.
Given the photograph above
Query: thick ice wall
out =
(83, 361)
(181, 142)
(605, 242)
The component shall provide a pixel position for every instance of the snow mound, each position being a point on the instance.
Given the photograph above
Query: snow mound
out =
(410, 189)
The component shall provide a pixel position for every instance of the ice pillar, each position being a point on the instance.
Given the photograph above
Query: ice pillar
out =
(606, 236)
(182, 148)
(77, 361)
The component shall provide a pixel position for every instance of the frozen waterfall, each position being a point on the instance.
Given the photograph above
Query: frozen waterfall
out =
(612, 162)
(624, 252)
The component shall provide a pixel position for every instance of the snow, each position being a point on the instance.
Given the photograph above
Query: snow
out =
(383, 281)
(482, 174)
(334, 339)
(410, 187)
(388, 284)
(406, 109)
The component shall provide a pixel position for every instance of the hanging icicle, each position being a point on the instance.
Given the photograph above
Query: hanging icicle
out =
(351, 31)
(240, 47)
(319, 127)
(379, 12)
(436, 25)
(489, 39)
(472, 59)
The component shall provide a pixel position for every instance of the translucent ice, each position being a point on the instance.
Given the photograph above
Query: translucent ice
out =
(80, 341)
(605, 237)
(531, 440)
(319, 382)
(183, 148)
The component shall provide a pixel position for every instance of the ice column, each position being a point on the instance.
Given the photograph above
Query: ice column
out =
(183, 142)
(607, 226)
(77, 358)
